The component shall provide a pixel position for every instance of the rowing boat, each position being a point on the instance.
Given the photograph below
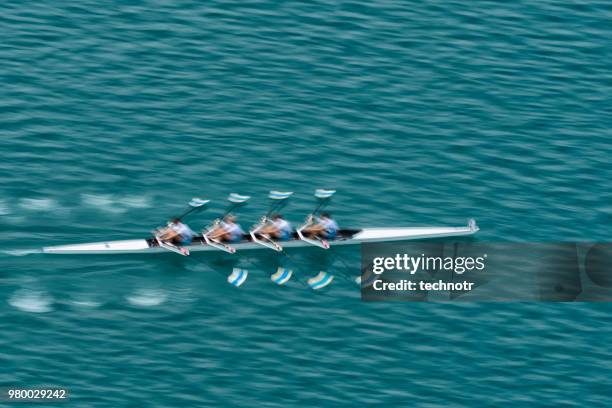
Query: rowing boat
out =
(345, 237)
(254, 239)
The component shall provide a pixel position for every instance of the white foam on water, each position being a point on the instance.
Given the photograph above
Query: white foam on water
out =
(102, 202)
(147, 297)
(21, 252)
(136, 202)
(4, 209)
(85, 303)
(33, 301)
(38, 204)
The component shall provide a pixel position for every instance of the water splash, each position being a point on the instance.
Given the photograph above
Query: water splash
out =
(33, 301)
(102, 202)
(86, 303)
(147, 297)
(136, 202)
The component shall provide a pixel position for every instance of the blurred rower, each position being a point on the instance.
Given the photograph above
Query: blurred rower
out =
(177, 233)
(279, 229)
(325, 227)
(227, 230)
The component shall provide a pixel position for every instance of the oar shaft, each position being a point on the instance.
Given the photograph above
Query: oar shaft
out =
(186, 213)
(275, 207)
(229, 210)
(322, 204)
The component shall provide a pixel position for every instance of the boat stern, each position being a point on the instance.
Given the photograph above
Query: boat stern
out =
(110, 247)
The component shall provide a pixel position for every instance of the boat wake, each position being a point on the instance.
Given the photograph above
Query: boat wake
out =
(21, 252)
(115, 204)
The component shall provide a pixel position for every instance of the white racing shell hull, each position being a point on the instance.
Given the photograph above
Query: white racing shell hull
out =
(350, 237)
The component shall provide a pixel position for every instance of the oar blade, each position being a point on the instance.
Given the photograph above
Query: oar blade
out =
(198, 202)
(237, 198)
(280, 195)
(320, 281)
(324, 194)
(238, 277)
(281, 276)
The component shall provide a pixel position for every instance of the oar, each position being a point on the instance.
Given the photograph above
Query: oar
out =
(194, 204)
(279, 200)
(238, 277)
(283, 275)
(324, 197)
(235, 201)
(347, 269)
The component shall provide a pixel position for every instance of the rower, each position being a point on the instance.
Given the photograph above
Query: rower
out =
(270, 230)
(326, 227)
(177, 233)
(176, 236)
(279, 228)
(317, 230)
(227, 230)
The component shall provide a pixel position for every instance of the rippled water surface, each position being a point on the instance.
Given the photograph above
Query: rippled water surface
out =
(115, 115)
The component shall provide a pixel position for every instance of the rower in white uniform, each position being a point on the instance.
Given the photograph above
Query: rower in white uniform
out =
(227, 230)
(177, 233)
(325, 227)
(278, 229)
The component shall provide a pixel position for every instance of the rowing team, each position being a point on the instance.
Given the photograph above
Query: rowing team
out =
(228, 230)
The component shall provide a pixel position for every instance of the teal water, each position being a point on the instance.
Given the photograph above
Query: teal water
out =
(113, 116)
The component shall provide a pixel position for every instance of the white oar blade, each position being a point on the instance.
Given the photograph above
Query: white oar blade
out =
(281, 276)
(238, 277)
(320, 281)
(237, 198)
(280, 195)
(198, 202)
(323, 194)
